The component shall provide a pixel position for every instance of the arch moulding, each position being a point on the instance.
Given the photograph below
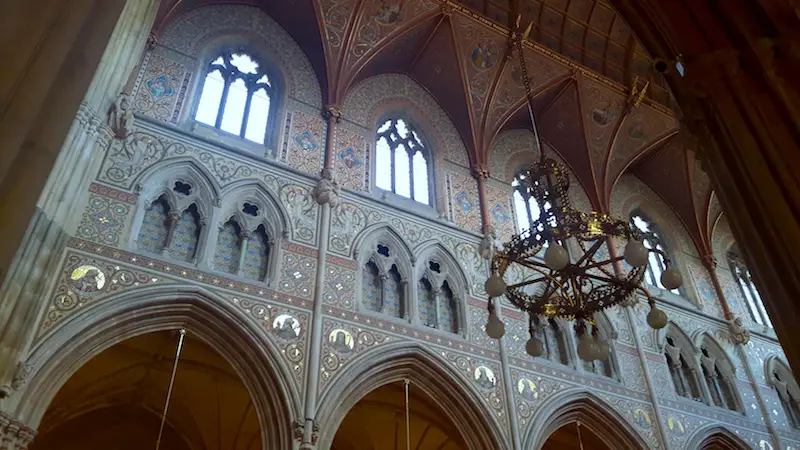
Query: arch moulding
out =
(205, 315)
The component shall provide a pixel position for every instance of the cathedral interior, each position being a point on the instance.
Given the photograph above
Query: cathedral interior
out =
(263, 224)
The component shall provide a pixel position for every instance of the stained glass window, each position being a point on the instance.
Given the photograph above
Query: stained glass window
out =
(401, 161)
(236, 97)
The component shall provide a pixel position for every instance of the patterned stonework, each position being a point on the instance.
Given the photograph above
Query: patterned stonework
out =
(351, 160)
(464, 202)
(297, 275)
(498, 200)
(304, 142)
(341, 343)
(104, 220)
(160, 88)
(340, 286)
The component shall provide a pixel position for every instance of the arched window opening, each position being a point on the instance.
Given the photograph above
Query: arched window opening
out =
(393, 293)
(401, 161)
(154, 231)
(683, 374)
(186, 234)
(748, 289)
(550, 333)
(256, 255)
(526, 208)
(426, 302)
(236, 96)
(228, 249)
(371, 287)
(788, 392)
(652, 241)
(720, 386)
(448, 318)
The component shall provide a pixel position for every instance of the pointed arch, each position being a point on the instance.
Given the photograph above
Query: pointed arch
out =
(428, 372)
(715, 437)
(455, 273)
(675, 331)
(384, 233)
(719, 372)
(272, 212)
(595, 414)
(207, 316)
(158, 179)
(441, 269)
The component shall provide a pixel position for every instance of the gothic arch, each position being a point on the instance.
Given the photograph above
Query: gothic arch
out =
(675, 330)
(593, 413)
(715, 436)
(191, 32)
(208, 317)
(373, 235)
(774, 363)
(455, 274)
(428, 372)
(726, 367)
(248, 190)
(157, 180)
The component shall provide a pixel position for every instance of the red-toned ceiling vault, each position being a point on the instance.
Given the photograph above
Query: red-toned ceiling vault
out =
(582, 58)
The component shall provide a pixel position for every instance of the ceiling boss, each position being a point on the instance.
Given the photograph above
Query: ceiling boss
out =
(575, 278)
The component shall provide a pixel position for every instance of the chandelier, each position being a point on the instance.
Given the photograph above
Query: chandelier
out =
(573, 279)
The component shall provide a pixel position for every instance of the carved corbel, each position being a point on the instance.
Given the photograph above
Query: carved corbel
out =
(739, 334)
(327, 191)
(332, 112)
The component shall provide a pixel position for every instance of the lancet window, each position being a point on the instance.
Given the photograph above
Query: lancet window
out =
(383, 287)
(402, 162)
(437, 297)
(237, 96)
(780, 377)
(719, 378)
(243, 243)
(682, 367)
(652, 240)
(748, 289)
(526, 208)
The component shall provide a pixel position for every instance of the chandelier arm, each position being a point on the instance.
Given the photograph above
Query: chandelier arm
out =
(532, 264)
(612, 280)
(605, 262)
(527, 282)
(587, 254)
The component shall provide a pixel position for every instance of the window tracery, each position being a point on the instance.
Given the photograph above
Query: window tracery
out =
(780, 377)
(526, 208)
(402, 162)
(682, 365)
(244, 241)
(439, 291)
(656, 264)
(719, 377)
(748, 289)
(237, 96)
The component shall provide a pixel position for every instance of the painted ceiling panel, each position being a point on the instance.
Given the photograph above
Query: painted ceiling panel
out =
(558, 124)
(438, 69)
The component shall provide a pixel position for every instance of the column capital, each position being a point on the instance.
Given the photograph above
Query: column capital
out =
(479, 172)
(14, 435)
(710, 261)
(332, 112)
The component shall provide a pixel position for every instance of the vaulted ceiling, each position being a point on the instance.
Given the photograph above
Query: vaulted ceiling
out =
(582, 58)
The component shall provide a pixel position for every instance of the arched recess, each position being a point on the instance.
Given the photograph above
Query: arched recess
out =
(191, 32)
(439, 266)
(715, 437)
(252, 206)
(593, 413)
(715, 362)
(452, 392)
(210, 318)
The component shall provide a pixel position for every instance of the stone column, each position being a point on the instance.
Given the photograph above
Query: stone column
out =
(326, 194)
(67, 39)
(487, 252)
(740, 337)
(437, 307)
(648, 377)
(13, 434)
(246, 236)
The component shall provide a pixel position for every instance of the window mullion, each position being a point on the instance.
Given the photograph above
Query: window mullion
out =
(410, 170)
(224, 99)
(250, 93)
(392, 150)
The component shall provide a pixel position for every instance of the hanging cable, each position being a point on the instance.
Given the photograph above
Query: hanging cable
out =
(407, 383)
(171, 382)
(580, 441)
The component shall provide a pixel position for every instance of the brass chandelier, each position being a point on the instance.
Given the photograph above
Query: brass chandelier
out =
(561, 284)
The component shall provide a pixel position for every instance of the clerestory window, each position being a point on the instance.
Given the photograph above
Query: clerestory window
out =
(402, 162)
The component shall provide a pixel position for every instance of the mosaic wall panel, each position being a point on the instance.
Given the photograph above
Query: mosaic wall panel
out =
(160, 88)
(286, 327)
(104, 220)
(340, 287)
(85, 280)
(462, 192)
(498, 201)
(304, 142)
(190, 32)
(630, 371)
(297, 274)
(342, 343)
(351, 159)
(364, 98)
